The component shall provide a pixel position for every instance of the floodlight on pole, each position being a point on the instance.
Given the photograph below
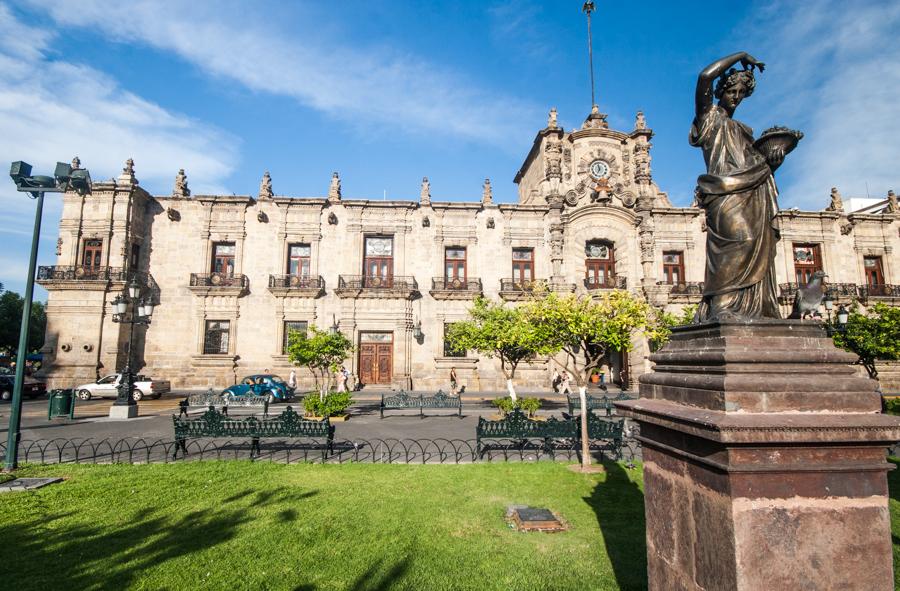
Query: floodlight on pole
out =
(63, 178)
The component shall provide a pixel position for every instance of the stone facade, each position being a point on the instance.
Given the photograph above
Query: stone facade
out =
(589, 218)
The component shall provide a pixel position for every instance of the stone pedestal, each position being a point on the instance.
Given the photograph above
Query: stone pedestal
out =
(764, 462)
(124, 411)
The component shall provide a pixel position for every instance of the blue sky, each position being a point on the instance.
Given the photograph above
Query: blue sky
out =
(389, 92)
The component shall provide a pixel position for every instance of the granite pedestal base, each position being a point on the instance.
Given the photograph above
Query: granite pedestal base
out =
(124, 411)
(764, 462)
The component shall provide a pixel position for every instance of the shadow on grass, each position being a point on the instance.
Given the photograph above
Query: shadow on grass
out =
(618, 504)
(376, 578)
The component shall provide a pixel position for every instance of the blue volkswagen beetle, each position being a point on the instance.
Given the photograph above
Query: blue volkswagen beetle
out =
(272, 387)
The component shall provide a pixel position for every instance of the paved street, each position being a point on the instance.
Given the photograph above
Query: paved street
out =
(92, 419)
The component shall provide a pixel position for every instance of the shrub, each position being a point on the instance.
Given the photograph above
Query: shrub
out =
(892, 406)
(530, 405)
(505, 405)
(335, 403)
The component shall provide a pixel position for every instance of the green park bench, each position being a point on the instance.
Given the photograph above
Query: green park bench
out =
(215, 424)
(404, 400)
(517, 427)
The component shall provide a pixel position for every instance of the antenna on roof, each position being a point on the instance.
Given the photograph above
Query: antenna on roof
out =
(867, 190)
(588, 8)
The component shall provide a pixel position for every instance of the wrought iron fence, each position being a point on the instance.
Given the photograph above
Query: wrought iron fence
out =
(377, 451)
(616, 282)
(835, 290)
(455, 284)
(525, 285)
(394, 282)
(691, 288)
(219, 280)
(879, 291)
(79, 273)
(297, 282)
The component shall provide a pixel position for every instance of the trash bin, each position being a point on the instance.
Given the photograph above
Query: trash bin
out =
(62, 404)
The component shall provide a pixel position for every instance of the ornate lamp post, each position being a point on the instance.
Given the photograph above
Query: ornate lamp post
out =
(142, 309)
(63, 178)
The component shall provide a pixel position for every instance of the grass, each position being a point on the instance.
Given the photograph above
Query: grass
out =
(240, 525)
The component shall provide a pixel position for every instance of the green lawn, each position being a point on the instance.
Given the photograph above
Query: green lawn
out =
(238, 525)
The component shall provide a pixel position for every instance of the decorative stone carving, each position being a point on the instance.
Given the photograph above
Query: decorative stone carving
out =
(642, 162)
(173, 214)
(181, 185)
(490, 223)
(265, 186)
(553, 158)
(332, 219)
(846, 228)
(127, 177)
(76, 163)
(639, 122)
(892, 206)
(487, 195)
(837, 204)
(262, 218)
(425, 192)
(426, 223)
(567, 164)
(551, 119)
(334, 190)
(59, 241)
(596, 120)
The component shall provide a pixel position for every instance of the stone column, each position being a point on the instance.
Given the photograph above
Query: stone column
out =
(764, 462)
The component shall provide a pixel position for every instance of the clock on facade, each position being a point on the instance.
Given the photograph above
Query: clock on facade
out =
(599, 169)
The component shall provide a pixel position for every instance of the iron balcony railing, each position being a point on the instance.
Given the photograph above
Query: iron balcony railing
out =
(455, 284)
(690, 288)
(394, 282)
(835, 290)
(879, 291)
(218, 280)
(296, 282)
(526, 285)
(617, 282)
(79, 273)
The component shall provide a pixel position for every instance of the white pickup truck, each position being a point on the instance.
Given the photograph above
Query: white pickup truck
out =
(108, 386)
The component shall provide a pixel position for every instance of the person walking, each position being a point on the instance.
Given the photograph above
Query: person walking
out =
(555, 381)
(454, 383)
(566, 383)
(292, 380)
(341, 380)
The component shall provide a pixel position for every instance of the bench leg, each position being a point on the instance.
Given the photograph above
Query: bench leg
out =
(421, 412)
(254, 445)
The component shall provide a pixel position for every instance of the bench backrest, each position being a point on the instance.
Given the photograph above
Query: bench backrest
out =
(213, 423)
(517, 425)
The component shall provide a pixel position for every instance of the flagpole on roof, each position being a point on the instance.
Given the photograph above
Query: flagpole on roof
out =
(588, 8)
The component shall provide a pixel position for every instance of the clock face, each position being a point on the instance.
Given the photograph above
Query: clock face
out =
(599, 169)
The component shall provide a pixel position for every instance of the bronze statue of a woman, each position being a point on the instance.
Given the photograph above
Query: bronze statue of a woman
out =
(739, 195)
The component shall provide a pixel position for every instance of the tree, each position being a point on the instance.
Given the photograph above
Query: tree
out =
(11, 305)
(664, 322)
(496, 331)
(584, 330)
(872, 336)
(320, 351)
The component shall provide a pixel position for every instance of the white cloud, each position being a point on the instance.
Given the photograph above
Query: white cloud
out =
(379, 84)
(834, 67)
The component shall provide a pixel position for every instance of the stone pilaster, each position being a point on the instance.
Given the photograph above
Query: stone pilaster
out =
(764, 462)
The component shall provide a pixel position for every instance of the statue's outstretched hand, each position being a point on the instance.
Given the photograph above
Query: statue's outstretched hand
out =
(775, 158)
(749, 62)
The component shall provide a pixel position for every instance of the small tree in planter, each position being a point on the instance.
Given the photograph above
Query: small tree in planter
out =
(664, 322)
(872, 336)
(584, 329)
(496, 331)
(321, 352)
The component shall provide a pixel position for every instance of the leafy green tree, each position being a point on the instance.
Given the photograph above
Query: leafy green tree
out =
(320, 351)
(873, 336)
(11, 305)
(496, 331)
(584, 330)
(665, 321)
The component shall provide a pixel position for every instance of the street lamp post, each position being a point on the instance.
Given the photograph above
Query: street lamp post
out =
(63, 178)
(125, 405)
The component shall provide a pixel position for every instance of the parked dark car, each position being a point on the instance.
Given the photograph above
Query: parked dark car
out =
(32, 388)
(271, 386)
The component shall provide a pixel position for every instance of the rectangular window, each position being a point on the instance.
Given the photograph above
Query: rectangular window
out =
(673, 267)
(378, 261)
(874, 272)
(455, 267)
(93, 254)
(599, 265)
(298, 259)
(215, 339)
(291, 326)
(807, 260)
(223, 258)
(522, 265)
(135, 256)
(448, 350)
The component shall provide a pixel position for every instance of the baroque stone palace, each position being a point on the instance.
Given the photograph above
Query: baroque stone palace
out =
(231, 275)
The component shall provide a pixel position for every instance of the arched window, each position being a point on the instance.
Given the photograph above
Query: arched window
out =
(599, 264)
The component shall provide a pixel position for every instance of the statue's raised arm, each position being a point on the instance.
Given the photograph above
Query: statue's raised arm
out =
(712, 72)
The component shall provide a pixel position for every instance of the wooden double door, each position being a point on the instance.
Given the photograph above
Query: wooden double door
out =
(376, 360)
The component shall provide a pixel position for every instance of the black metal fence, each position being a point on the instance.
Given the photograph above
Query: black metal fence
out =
(377, 451)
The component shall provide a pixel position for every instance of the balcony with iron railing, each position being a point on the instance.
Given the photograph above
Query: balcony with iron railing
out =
(616, 282)
(219, 283)
(685, 291)
(878, 291)
(443, 288)
(519, 289)
(297, 285)
(48, 275)
(837, 291)
(376, 286)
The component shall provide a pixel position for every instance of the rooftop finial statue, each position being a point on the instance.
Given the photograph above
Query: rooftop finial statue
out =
(738, 193)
